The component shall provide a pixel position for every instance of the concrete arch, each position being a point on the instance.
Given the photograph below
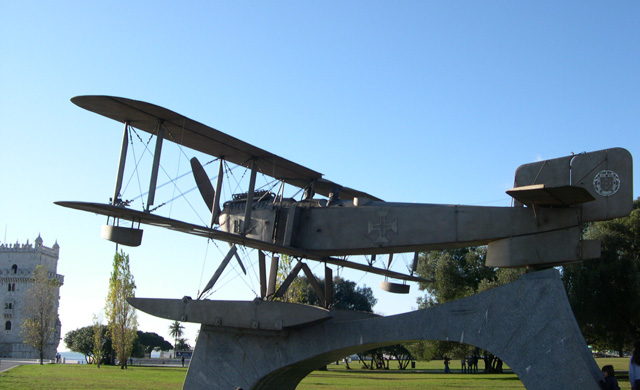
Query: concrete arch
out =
(528, 324)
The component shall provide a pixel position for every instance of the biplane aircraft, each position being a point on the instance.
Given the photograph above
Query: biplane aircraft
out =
(552, 200)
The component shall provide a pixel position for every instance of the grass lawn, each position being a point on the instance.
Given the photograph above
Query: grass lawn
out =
(83, 376)
(427, 375)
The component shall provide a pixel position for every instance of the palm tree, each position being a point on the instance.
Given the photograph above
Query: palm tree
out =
(175, 331)
(182, 345)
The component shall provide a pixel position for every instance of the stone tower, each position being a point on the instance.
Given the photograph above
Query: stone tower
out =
(17, 263)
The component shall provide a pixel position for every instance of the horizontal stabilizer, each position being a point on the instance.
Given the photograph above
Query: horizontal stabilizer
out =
(542, 195)
(553, 248)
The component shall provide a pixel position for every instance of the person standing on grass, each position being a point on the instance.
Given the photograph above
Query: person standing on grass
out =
(446, 365)
(610, 382)
(634, 367)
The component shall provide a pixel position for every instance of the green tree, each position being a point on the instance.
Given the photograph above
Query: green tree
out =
(605, 293)
(99, 340)
(182, 345)
(423, 350)
(400, 353)
(379, 358)
(455, 274)
(92, 341)
(81, 340)
(296, 290)
(347, 295)
(147, 342)
(176, 330)
(41, 317)
(122, 317)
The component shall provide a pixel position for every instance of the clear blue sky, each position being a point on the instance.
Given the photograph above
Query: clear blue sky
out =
(419, 101)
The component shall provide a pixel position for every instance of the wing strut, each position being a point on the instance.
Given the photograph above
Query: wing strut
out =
(246, 226)
(156, 165)
(314, 283)
(328, 286)
(326, 296)
(120, 234)
(273, 275)
(263, 274)
(216, 199)
(221, 268)
(287, 282)
(239, 261)
(123, 159)
(414, 265)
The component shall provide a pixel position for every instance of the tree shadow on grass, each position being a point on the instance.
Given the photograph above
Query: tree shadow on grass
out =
(407, 376)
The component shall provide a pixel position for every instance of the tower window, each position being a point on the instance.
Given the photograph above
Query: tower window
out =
(7, 325)
(14, 268)
(11, 287)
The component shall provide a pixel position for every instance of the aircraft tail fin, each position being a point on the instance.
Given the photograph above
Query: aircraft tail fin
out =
(599, 183)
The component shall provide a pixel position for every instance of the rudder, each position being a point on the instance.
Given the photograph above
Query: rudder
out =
(607, 175)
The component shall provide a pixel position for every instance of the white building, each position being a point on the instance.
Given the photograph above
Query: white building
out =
(17, 263)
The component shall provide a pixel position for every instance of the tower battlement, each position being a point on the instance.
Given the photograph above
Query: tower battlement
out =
(18, 262)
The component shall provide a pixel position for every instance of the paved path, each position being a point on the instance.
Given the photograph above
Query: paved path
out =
(6, 364)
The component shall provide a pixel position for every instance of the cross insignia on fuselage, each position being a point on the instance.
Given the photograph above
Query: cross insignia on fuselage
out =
(383, 227)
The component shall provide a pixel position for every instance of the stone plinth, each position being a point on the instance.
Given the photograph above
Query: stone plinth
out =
(528, 324)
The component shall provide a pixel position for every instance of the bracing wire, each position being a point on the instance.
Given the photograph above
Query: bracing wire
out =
(133, 150)
(251, 269)
(171, 180)
(237, 181)
(135, 169)
(180, 177)
(183, 195)
(245, 254)
(297, 193)
(178, 165)
(406, 262)
(204, 262)
(208, 293)
(229, 277)
(364, 274)
(275, 182)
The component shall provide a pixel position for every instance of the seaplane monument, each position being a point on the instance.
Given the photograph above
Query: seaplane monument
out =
(268, 344)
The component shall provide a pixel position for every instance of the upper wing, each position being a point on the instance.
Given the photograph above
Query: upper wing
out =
(205, 139)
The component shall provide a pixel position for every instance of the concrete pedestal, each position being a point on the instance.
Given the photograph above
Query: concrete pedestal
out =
(528, 324)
